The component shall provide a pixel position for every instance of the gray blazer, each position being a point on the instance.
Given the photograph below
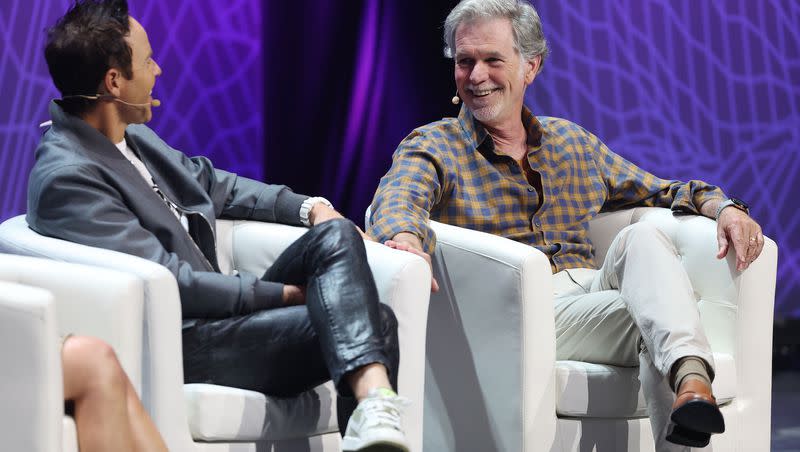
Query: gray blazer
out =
(82, 189)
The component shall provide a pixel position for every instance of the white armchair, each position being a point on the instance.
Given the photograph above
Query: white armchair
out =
(492, 380)
(214, 418)
(40, 300)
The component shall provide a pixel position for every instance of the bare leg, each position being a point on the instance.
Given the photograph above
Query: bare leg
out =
(107, 411)
(145, 434)
(367, 378)
(95, 381)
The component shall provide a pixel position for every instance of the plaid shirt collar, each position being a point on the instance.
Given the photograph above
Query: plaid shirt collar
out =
(476, 134)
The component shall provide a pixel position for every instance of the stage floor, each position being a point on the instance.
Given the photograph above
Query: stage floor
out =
(786, 411)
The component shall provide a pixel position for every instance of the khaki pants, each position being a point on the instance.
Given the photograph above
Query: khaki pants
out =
(637, 309)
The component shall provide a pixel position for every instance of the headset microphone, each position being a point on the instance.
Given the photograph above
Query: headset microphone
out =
(152, 103)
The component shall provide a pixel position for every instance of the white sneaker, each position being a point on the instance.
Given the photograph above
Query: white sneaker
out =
(375, 424)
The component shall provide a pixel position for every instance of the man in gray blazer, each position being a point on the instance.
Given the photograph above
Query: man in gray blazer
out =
(103, 179)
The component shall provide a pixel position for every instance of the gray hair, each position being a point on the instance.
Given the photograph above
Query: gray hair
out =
(527, 27)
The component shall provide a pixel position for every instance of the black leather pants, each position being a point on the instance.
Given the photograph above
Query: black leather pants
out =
(286, 351)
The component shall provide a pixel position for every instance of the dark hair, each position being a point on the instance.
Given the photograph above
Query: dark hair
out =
(83, 45)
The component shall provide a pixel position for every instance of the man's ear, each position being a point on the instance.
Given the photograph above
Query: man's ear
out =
(111, 82)
(532, 69)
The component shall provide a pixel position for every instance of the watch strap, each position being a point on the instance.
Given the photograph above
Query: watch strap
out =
(308, 204)
(731, 202)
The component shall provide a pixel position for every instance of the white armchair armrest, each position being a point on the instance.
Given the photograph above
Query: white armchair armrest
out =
(31, 388)
(90, 301)
(491, 345)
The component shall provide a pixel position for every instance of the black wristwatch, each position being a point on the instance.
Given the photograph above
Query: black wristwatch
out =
(732, 202)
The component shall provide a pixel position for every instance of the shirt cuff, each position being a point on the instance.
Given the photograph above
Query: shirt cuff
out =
(384, 230)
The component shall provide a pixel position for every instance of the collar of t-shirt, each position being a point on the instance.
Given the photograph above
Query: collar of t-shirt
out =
(139, 165)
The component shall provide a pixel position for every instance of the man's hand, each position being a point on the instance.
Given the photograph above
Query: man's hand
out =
(406, 241)
(736, 228)
(294, 295)
(321, 213)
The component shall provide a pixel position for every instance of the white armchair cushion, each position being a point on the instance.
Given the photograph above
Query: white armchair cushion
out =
(221, 413)
(602, 391)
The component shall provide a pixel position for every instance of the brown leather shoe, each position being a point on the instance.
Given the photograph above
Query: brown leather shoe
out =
(695, 415)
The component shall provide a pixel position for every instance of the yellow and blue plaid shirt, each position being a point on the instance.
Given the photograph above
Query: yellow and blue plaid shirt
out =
(449, 171)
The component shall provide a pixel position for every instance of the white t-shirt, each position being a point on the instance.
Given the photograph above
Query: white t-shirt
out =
(139, 165)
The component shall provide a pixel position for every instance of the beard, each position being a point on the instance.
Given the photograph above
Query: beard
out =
(487, 108)
(487, 113)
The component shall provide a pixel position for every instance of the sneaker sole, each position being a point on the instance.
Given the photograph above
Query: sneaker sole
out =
(376, 447)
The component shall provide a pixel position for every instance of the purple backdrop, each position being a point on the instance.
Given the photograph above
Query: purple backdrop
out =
(686, 89)
(211, 89)
(690, 90)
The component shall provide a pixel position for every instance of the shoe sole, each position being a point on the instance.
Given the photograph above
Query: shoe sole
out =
(686, 437)
(699, 416)
(378, 447)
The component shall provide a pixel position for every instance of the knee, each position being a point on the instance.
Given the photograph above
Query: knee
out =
(339, 228)
(644, 232)
(639, 229)
(97, 364)
(337, 235)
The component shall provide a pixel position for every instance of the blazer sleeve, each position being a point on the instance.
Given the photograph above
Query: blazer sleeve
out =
(234, 197)
(74, 204)
(239, 198)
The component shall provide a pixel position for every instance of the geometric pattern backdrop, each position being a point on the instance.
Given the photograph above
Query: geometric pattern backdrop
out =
(684, 88)
(215, 108)
(690, 90)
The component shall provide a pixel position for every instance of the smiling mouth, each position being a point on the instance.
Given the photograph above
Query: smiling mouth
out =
(483, 92)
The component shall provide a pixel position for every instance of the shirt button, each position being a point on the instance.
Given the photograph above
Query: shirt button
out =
(531, 189)
(537, 223)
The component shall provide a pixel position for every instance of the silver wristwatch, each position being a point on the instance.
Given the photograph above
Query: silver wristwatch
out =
(307, 205)
(732, 202)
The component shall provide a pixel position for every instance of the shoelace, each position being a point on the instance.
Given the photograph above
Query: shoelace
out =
(385, 410)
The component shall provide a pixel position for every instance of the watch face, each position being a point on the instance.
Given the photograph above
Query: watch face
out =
(739, 203)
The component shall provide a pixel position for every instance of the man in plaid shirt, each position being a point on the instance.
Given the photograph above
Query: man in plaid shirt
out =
(497, 168)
